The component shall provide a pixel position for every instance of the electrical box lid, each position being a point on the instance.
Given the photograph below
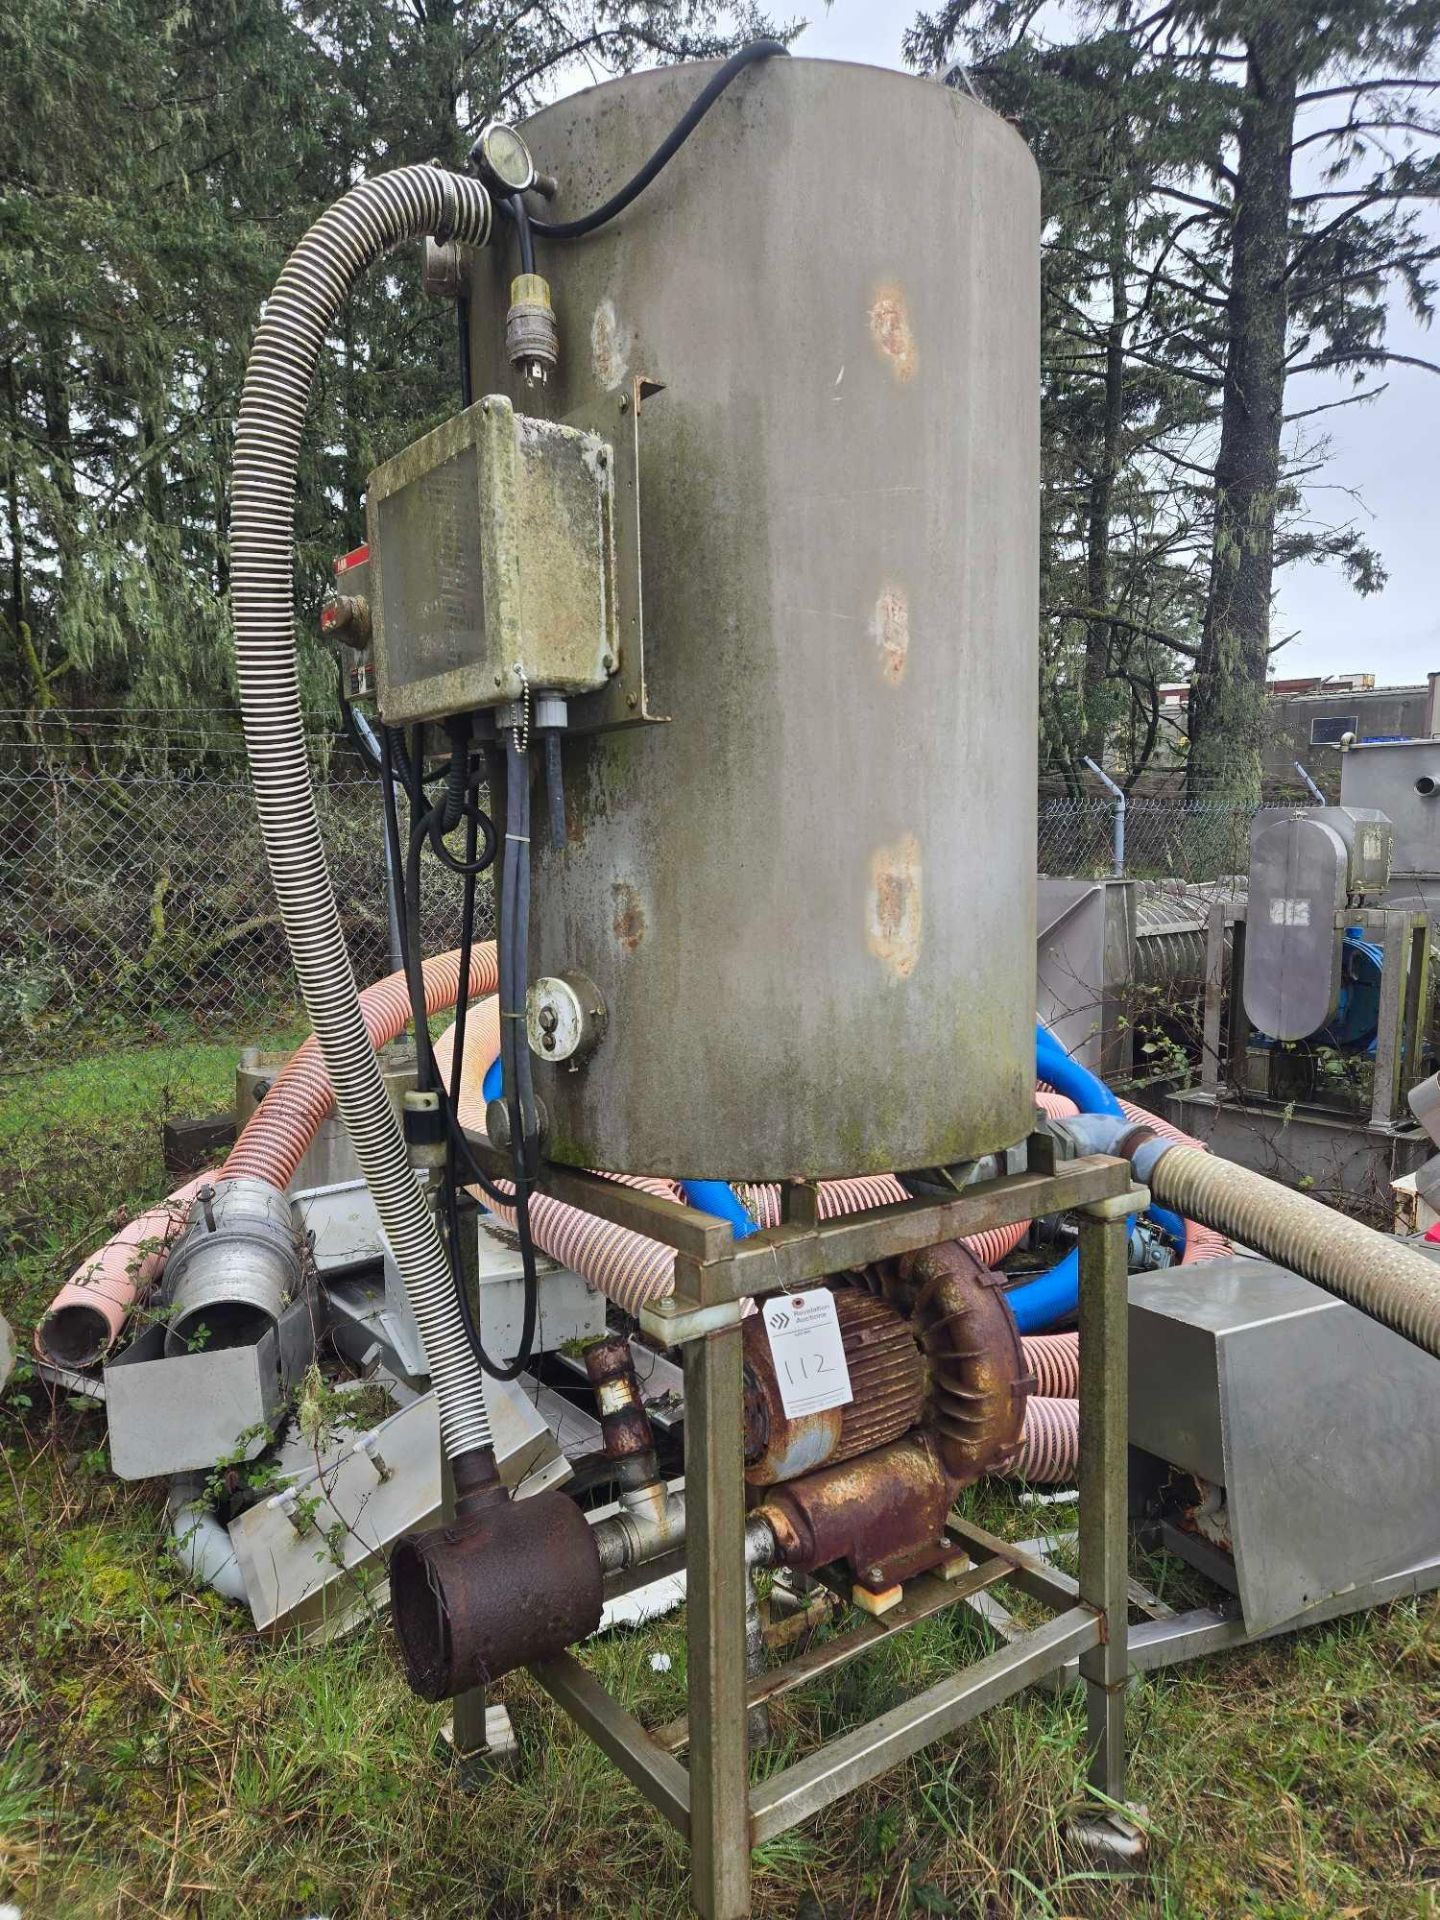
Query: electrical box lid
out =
(492, 565)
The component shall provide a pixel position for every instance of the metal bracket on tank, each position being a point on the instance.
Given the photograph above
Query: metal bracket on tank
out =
(624, 700)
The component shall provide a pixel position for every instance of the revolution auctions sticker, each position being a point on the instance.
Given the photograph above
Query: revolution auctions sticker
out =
(808, 1353)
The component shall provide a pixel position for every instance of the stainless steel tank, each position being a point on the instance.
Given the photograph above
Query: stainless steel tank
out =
(807, 899)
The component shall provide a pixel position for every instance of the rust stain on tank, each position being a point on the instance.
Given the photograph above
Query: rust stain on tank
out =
(894, 906)
(609, 346)
(629, 922)
(890, 330)
(891, 629)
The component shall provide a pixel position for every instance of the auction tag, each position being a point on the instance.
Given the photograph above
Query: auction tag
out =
(809, 1355)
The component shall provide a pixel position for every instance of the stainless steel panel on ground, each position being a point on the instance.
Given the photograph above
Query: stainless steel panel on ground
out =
(807, 899)
(567, 1307)
(184, 1412)
(316, 1546)
(1322, 1426)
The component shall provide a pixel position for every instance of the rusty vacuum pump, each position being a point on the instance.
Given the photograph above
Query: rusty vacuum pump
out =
(939, 1388)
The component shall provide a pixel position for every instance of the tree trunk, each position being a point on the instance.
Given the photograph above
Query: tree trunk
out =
(29, 686)
(1099, 633)
(1227, 701)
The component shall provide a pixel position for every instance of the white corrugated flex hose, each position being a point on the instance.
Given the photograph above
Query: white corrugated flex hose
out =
(379, 214)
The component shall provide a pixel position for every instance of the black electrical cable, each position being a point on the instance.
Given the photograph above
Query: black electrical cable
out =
(665, 152)
(516, 211)
(457, 1146)
(555, 787)
(462, 323)
(517, 842)
(452, 806)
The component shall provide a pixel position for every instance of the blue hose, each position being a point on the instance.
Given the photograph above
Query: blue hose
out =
(1067, 1076)
(1055, 1294)
(708, 1196)
(714, 1196)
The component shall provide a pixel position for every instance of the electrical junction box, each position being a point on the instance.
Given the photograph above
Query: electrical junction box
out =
(492, 565)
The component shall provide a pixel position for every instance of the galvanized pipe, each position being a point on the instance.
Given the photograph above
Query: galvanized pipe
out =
(646, 1529)
(235, 1269)
(1117, 794)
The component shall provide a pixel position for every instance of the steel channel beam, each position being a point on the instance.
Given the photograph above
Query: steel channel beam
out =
(789, 1257)
(923, 1597)
(702, 1236)
(1201, 1630)
(1214, 995)
(1025, 1571)
(1104, 1491)
(660, 1777)
(803, 1250)
(812, 1783)
(1387, 1095)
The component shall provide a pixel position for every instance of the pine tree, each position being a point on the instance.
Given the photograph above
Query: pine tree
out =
(1278, 274)
(156, 164)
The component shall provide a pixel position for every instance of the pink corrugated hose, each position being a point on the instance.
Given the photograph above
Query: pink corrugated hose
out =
(629, 1268)
(85, 1318)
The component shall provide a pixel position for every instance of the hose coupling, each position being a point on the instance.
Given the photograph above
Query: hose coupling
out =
(532, 339)
(236, 1267)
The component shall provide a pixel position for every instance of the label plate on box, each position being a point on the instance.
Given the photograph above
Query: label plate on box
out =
(809, 1355)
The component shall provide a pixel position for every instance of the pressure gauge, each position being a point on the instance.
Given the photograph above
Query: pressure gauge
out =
(503, 158)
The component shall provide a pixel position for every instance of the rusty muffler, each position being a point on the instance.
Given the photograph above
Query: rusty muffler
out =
(505, 1583)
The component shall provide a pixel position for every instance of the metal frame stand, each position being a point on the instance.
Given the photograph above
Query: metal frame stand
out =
(712, 1803)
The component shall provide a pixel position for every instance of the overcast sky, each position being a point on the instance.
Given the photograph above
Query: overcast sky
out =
(1387, 452)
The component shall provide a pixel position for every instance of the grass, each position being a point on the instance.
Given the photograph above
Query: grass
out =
(160, 1759)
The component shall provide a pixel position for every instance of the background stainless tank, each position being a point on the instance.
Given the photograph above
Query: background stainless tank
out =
(808, 900)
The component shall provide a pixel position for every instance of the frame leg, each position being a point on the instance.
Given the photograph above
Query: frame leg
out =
(715, 1627)
(1104, 1502)
(479, 1736)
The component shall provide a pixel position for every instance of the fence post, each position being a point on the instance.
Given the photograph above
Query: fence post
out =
(1315, 792)
(1117, 861)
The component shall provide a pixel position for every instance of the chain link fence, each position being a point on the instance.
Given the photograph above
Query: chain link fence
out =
(137, 909)
(1164, 839)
